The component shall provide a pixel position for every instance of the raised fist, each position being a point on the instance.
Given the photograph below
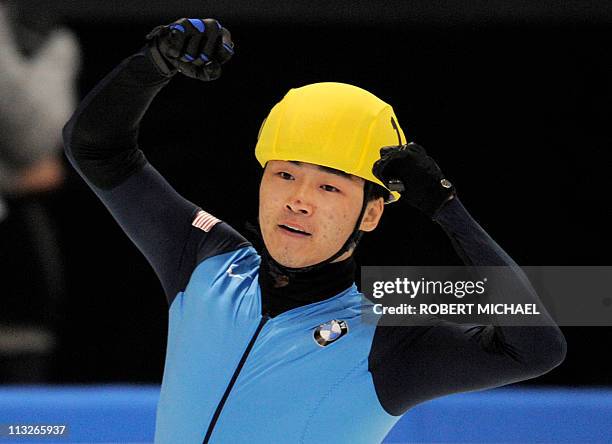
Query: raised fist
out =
(194, 47)
(416, 176)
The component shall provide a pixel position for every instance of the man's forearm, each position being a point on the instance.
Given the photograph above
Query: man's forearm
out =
(477, 248)
(101, 137)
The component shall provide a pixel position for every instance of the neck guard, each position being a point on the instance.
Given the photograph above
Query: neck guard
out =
(283, 288)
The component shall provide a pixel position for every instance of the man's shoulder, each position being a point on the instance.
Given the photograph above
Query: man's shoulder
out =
(214, 237)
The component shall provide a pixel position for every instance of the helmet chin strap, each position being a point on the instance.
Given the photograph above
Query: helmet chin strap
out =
(350, 243)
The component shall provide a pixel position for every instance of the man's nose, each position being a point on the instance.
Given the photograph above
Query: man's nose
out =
(298, 207)
(300, 202)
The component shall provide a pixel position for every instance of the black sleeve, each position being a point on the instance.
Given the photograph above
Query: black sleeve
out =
(101, 143)
(413, 364)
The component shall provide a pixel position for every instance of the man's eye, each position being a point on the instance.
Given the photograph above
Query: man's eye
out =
(330, 188)
(285, 175)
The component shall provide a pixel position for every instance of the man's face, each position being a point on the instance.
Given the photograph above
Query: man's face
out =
(306, 213)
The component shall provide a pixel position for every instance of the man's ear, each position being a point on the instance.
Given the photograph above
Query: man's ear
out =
(372, 214)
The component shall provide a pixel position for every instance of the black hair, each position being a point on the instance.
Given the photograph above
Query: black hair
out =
(376, 191)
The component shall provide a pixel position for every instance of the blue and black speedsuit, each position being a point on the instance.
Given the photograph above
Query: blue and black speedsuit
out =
(242, 364)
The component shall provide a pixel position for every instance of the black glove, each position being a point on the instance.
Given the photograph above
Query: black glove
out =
(194, 47)
(408, 170)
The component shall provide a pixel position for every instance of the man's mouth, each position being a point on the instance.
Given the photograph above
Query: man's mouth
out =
(294, 229)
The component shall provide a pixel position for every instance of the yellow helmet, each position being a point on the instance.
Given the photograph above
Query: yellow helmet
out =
(331, 124)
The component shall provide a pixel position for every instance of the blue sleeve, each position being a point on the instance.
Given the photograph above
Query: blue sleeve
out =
(413, 364)
(101, 143)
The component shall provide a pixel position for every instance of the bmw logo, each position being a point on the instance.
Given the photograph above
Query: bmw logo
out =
(330, 332)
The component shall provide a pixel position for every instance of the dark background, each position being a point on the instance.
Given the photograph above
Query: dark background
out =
(511, 99)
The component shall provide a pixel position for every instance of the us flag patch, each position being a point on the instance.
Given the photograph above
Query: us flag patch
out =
(204, 221)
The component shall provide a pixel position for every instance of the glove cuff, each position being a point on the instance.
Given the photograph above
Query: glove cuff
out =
(438, 194)
(434, 212)
(161, 64)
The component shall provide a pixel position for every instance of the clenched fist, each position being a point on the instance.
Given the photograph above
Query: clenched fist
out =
(194, 47)
(409, 170)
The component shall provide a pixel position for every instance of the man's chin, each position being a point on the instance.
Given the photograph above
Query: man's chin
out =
(293, 263)
(290, 261)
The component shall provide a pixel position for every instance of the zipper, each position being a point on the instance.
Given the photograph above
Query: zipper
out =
(215, 417)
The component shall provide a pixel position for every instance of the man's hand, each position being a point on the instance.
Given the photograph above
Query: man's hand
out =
(194, 47)
(409, 170)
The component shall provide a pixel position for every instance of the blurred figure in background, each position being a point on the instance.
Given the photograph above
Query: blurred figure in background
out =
(39, 60)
